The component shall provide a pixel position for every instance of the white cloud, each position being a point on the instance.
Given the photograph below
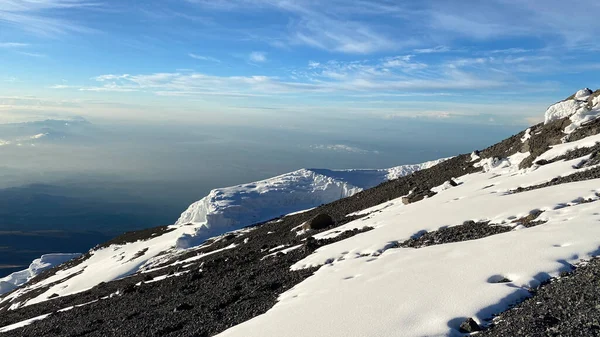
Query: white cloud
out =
(506, 18)
(32, 54)
(13, 45)
(60, 86)
(404, 62)
(258, 57)
(204, 58)
(437, 49)
(510, 51)
(364, 27)
(332, 25)
(390, 77)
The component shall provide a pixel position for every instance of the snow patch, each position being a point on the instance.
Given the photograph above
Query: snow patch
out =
(562, 149)
(526, 136)
(498, 165)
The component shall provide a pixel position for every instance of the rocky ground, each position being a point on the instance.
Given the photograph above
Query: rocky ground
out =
(221, 290)
(567, 306)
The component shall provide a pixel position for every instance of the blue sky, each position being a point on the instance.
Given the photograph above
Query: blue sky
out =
(278, 61)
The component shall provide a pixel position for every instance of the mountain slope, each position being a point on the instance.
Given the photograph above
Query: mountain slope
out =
(414, 256)
(222, 210)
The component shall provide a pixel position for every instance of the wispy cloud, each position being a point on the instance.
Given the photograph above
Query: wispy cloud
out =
(505, 18)
(258, 57)
(388, 77)
(364, 27)
(13, 45)
(44, 17)
(437, 49)
(204, 58)
(330, 26)
(403, 62)
(32, 54)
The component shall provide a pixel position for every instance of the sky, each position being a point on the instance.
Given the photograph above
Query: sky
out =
(280, 62)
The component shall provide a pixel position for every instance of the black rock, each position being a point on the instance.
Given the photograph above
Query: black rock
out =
(321, 221)
(311, 244)
(469, 326)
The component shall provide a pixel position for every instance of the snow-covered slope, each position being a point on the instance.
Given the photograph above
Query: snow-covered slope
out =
(45, 262)
(369, 286)
(223, 210)
(233, 207)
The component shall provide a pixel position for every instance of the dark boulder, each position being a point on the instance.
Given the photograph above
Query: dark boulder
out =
(469, 326)
(311, 244)
(320, 221)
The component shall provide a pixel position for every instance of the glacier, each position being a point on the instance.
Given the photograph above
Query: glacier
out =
(231, 208)
(583, 107)
(16, 279)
